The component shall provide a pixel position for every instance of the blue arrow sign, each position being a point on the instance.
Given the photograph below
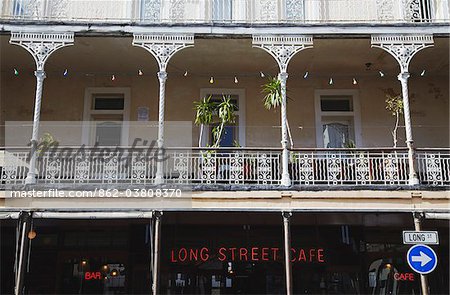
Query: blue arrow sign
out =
(422, 259)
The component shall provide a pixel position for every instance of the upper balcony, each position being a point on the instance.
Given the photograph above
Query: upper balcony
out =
(221, 12)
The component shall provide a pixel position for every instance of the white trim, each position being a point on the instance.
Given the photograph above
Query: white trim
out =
(87, 112)
(356, 113)
(241, 113)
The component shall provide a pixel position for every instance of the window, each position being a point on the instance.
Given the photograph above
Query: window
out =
(234, 133)
(106, 111)
(222, 10)
(337, 119)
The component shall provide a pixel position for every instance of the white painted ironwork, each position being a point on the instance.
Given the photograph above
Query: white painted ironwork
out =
(162, 47)
(349, 167)
(239, 167)
(403, 48)
(228, 11)
(40, 46)
(283, 49)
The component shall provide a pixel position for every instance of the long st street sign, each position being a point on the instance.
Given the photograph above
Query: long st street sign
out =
(420, 237)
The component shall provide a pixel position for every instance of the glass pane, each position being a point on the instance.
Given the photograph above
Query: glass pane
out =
(108, 103)
(336, 104)
(222, 10)
(335, 135)
(108, 133)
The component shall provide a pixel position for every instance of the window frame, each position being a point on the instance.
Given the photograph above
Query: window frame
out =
(321, 116)
(89, 112)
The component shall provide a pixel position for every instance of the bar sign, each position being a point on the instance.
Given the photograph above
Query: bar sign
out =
(420, 237)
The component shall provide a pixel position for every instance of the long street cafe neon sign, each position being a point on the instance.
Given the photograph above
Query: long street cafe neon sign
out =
(301, 255)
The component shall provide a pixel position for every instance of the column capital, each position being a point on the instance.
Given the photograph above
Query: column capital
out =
(40, 74)
(286, 214)
(403, 76)
(163, 46)
(402, 47)
(162, 76)
(282, 47)
(41, 45)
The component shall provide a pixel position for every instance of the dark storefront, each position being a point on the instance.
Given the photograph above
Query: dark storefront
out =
(225, 253)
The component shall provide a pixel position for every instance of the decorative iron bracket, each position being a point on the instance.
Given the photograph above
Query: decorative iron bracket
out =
(282, 47)
(163, 47)
(41, 45)
(402, 47)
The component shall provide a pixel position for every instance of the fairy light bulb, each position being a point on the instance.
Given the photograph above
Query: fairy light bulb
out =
(185, 74)
(113, 77)
(65, 73)
(262, 74)
(355, 82)
(236, 80)
(211, 80)
(331, 82)
(16, 72)
(306, 75)
(381, 74)
(140, 73)
(423, 73)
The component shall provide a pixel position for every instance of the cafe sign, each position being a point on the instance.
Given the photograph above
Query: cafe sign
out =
(253, 254)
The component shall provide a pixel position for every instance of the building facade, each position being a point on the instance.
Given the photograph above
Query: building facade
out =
(112, 181)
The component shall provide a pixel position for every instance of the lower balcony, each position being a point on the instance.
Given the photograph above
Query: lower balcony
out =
(227, 168)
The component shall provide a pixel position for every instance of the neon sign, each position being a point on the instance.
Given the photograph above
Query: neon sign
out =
(409, 276)
(94, 275)
(182, 255)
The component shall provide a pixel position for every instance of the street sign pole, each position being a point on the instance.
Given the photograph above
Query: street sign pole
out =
(417, 226)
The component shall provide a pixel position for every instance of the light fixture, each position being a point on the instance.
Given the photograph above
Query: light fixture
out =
(381, 73)
(423, 73)
(83, 262)
(331, 81)
(306, 75)
(236, 80)
(211, 80)
(113, 78)
(185, 74)
(355, 81)
(31, 234)
(16, 72)
(262, 74)
(140, 72)
(114, 273)
(66, 72)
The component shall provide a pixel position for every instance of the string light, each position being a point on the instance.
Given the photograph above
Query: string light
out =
(262, 74)
(236, 80)
(423, 73)
(381, 74)
(355, 81)
(113, 78)
(331, 81)
(211, 80)
(185, 74)
(140, 72)
(16, 72)
(306, 75)
(66, 72)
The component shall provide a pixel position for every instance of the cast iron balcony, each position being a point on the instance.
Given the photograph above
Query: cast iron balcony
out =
(226, 11)
(235, 168)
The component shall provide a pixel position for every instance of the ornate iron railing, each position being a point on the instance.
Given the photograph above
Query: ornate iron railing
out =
(227, 11)
(236, 167)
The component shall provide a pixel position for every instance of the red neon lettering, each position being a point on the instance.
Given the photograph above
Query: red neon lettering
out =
(193, 254)
(182, 251)
(293, 255)
(243, 253)
(92, 276)
(404, 276)
(255, 254)
(204, 254)
(320, 256)
(302, 255)
(265, 254)
(312, 253)
(222, 255)
(275, 250)
(232, 253)
(172, 258)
